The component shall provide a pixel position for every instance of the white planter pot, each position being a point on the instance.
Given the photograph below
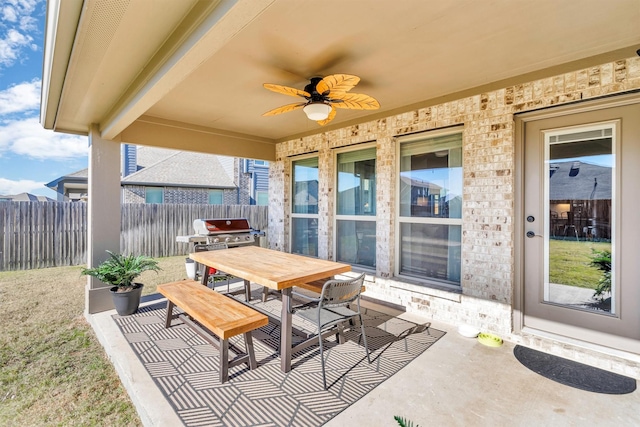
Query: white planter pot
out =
(190, 265)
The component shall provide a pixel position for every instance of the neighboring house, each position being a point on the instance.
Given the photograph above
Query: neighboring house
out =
(25, 197)
(158, 175)
(580, 196)
(72, 187)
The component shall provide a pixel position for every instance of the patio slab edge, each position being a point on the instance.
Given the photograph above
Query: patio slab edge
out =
(150, 404)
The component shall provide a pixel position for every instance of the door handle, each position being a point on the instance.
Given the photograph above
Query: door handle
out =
(531, 234)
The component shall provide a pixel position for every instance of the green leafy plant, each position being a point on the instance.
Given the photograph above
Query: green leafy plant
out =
(403, 422)
(602, 261)
(121, 270)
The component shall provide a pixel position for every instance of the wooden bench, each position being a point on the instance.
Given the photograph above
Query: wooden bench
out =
(217, 314)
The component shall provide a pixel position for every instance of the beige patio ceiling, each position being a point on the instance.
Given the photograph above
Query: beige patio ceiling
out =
(188, 74)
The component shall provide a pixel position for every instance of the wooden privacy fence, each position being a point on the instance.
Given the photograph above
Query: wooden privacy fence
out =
(42, 234)
(49, 234)
(151, 229)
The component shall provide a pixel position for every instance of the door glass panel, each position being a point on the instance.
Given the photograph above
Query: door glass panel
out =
(579, 189)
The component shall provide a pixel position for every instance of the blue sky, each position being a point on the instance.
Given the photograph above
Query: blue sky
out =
(30, 156)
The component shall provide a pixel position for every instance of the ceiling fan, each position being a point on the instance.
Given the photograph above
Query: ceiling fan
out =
(322, 97)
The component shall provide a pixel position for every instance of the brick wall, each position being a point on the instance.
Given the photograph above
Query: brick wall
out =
(243, 182)
(178, 195)
(488, 253)
(132, 194)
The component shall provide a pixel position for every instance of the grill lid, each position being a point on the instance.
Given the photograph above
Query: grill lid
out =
(210, 227)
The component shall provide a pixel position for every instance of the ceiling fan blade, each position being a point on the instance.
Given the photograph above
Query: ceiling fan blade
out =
(281, 54)
(285, 109)
(286, 90)
(330, 117)
(337, 83)
(355, 101)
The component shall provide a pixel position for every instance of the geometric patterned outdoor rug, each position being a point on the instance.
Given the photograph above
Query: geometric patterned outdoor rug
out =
(185, 368)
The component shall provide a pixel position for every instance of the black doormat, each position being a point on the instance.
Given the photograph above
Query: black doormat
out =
(574, 374)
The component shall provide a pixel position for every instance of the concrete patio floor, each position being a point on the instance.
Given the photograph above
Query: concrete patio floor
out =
(456, 382)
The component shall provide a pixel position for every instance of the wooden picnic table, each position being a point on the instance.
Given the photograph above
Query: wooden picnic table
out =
(276, 270)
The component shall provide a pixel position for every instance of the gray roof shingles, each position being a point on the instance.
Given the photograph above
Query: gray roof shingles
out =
(586, 182)
(180, 168)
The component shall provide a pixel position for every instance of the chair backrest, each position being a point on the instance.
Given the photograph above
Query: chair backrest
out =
(341, 292)
(209, 247)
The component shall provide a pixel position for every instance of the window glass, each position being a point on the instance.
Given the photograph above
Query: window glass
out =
(262, 198)
(153, 195)
(357, 183)
(430, 207)
(431, 177)
(305, 186)
(304, 236)
(356, 242)
(430, 250)
(216, 197)
(304, 207)
(355, 236)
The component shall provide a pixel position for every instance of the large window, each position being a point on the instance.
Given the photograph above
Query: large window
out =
(356, 207)
(430, 207)
(304, 207)
(153, 195)
(216, 197)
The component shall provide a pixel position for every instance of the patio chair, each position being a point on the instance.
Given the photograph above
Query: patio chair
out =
(202, 247)
(335, 306)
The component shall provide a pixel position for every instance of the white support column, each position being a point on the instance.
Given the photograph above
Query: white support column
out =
(104, 214)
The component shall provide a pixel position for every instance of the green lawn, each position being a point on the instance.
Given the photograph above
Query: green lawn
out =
(569, 262)
(53, 371)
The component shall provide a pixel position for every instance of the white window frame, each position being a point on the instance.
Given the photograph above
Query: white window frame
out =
(336, 216)
(424, 220)
(293, 215)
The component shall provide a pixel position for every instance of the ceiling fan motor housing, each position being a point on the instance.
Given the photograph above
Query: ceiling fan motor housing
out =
(311, 89)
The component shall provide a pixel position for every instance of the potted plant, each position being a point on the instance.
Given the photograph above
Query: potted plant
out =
(602, 261)
(120, 271)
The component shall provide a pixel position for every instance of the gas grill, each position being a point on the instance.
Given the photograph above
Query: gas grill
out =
(234, 232)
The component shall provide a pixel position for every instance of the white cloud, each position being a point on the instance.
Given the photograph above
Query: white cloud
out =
(28, 138)
(17, 17)
(8, 186)
(13, 9)
(11, 45)
(20, 97)
(9, 14)
(28, 23)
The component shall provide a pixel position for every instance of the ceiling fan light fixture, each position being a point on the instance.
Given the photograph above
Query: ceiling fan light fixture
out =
(321, 97)
(317, 111)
